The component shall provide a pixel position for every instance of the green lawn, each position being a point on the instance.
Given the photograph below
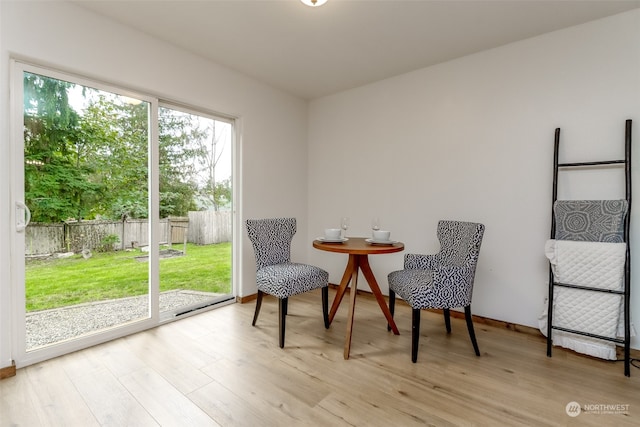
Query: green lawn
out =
(121, 274)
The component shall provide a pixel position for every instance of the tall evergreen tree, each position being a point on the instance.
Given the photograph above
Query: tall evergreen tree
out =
(56, 178)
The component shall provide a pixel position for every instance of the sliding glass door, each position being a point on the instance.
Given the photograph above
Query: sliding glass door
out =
(86, 184)
(196, 216)
(123, 212)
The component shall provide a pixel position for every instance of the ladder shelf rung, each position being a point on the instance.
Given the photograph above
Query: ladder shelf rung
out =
(600, 163)
(589, 288)
(587, 334)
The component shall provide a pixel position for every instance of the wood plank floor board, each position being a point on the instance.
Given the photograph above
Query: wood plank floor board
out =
(166, 404)
(225, 407)
(111, 403)
(214, 368)
(378, 409)
(57, 402)
(160, 355)
(195, 351)
(18, 402)
(272, 370)
(116, 356)
(277, 405)
(194, 332)
(491, 403)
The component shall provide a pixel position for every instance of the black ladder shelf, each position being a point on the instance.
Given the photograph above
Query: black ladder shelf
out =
(627, 265)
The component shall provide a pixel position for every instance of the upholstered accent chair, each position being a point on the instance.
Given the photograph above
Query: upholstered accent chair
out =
(440, 281)
(275, 273)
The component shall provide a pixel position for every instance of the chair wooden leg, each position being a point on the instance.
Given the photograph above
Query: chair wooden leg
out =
(392, 305)
(286, 306)
(472, 334)
(415, 334)
(258, 305)
(282, 316)
(447, 320)
(325, 306)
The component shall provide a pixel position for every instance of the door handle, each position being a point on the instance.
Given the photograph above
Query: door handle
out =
(22, 220)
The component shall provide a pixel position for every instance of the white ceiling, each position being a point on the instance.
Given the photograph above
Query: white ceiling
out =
(312, 52)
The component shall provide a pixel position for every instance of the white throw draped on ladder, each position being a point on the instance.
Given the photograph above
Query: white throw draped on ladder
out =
(592, 264)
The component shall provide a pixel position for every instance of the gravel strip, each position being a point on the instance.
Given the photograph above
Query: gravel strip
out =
(50, 326)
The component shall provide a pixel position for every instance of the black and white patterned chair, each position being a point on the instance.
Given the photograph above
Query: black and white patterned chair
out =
(441, 281)
(275, 273)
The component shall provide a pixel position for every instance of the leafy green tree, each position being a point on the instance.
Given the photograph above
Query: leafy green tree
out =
(223, 193)
(178, 174)
(56, 177)
(117, 136)
(217, 195)
(93, 164)
(210, 149)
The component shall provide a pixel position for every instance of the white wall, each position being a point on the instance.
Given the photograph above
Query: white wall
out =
(472, 139)
(273, 124)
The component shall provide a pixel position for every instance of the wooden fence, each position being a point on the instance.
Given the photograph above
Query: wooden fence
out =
(201, 228)
(208, 227)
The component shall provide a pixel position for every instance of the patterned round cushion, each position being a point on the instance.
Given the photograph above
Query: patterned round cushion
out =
(284, 280)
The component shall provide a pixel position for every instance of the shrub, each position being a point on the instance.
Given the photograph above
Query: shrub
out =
(107, 243)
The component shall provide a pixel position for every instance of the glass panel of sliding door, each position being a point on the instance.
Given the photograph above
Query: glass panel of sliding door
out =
(86, 182)
(195, 210)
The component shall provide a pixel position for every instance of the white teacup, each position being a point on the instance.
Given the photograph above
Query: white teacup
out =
(381, 235)
(332, 233)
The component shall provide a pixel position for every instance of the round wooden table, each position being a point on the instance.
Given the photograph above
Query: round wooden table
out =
(358, 250)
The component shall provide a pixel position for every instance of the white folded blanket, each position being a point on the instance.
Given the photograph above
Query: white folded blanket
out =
(593, 264)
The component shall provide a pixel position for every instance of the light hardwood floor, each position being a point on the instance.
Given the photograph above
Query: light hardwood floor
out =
(216, 369)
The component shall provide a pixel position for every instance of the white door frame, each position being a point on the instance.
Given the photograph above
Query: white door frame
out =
(18, 316)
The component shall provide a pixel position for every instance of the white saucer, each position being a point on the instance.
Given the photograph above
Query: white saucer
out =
(380, 242)
(326, 240)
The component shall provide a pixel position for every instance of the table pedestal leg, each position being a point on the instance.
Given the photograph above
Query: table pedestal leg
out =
(373, 284)
(348, 272)
(358, 263)
(352, 305)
